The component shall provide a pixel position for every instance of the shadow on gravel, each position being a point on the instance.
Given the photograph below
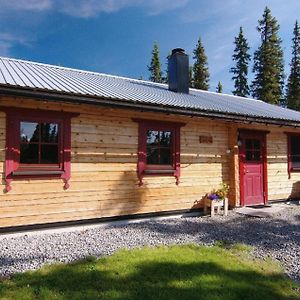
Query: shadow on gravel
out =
(9, 261)
(155, 280)
(270, 233)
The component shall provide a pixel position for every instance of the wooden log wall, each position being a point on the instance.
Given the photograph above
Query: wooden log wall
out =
(104, 157)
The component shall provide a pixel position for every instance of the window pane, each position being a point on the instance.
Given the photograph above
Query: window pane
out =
(248, 155)
(165, 156)
(256, 155)
(295, 158)
(49, 154)
(29, 153)
(165, 138)
(248, 144)
(295, 148)
(152, 137)
(49, 132)
(29, 132)
(256, 144)
(152, 156)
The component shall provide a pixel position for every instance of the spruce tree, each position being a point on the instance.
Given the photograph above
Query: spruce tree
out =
(200, 68)
(191, 77)
(165, 78)
(219, 88)
(268, 62)
(293, 84)
(240, 70)
(155, 66)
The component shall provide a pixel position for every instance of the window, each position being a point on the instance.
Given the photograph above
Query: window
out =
(293, 153)
(253, 150)
(158, 149)
(38, 144)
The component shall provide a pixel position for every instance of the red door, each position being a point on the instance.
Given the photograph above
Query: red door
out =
(252, 155)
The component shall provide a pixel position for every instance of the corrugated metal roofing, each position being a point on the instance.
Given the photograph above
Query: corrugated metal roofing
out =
(43, 77)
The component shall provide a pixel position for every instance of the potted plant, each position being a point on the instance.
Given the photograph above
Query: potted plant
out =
(217, 199)
(219, 194)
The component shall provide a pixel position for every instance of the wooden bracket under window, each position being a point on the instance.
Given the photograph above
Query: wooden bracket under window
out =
(7, 185)
(172, 172)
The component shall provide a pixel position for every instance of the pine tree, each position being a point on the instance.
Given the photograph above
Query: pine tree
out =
(240, 70)
(219, 88)
(268, 62)
(293, 84)
(200, 68)
(155, 66)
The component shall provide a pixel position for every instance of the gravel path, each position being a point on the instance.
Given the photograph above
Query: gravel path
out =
(278, 237)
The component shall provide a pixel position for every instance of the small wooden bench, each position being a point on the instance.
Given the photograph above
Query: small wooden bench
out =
(216, 204)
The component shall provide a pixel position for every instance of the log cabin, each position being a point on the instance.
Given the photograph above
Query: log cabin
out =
(79, 146)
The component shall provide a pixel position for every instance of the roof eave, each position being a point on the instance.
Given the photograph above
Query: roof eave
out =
(126, 104)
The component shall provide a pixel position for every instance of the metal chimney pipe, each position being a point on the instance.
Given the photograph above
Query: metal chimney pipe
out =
(178, 71)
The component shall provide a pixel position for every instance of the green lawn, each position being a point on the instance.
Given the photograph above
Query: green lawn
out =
(177, 272)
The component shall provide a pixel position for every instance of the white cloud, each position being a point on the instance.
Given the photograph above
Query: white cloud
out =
(29, 5)
(5, 48)
(8, 41)
(92, 8)
(13, 38)
(159, 6)
(77, 8)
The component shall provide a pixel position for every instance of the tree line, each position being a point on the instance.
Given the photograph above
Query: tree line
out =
(268, 66)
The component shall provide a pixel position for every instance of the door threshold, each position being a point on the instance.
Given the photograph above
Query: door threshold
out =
(258, 206)
(262, 212)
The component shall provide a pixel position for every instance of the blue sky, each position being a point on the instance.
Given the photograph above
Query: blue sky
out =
(117, 36)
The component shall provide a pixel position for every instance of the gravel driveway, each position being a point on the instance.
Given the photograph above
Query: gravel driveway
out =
(278, 236)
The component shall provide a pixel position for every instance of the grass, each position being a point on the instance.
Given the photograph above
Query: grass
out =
(177, 272)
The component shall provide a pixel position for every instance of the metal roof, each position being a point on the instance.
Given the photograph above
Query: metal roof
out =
(17, 73)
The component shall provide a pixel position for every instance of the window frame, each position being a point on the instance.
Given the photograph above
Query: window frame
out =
(144, 169)
(40, 167)
(13, 169)
(290, 167)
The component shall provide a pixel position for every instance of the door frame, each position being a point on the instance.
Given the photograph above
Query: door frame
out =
(262, 134)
